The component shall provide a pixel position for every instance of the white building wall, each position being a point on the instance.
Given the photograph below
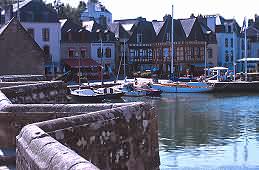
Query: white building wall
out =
(222, 48)
(110, 61)
(54, 38)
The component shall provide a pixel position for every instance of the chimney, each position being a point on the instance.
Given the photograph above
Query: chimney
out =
(250, 22)
(166, 17)
(8, 13)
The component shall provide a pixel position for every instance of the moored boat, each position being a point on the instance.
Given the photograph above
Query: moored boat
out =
(86, 96)
(183, 87)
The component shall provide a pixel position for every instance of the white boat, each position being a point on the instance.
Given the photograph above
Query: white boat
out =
(183, 87)
(87, 96)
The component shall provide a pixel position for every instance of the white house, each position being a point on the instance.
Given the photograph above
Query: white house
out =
(42, 23)
(96, 11)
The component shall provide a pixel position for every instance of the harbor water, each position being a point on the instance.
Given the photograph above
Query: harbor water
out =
(207, 131)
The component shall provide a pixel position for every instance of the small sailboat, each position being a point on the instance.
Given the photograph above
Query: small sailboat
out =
(86, 96)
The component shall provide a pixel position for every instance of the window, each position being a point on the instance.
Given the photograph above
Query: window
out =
(150, 52)
(166, 52)
(258, 53)
(257, 36)
(226, 42)
(226, 56)
(210, 54)
(71, 52)
(231, 42)
(198, 52)
(139, 38)
(31, 32)
(132, 53)
(83, 52)
(108, 53)
(141, 52)
(45, 34)
(99, 53)
(192, 52)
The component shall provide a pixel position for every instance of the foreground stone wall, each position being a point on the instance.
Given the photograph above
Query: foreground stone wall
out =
(24, 78)
(119, 138)
(14, 117)
(44, 92)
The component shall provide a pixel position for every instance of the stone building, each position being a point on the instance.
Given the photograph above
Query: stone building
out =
(42, 23)
(20, 54)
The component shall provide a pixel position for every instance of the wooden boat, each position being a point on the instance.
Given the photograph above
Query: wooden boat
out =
(86, 96)
(183, 87)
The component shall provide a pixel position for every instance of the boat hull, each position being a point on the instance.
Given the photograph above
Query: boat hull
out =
(88, 99)
(182, 89)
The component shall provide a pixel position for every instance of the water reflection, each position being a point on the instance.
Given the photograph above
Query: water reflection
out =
(208, 130)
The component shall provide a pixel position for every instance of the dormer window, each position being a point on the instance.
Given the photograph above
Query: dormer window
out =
(139, 38)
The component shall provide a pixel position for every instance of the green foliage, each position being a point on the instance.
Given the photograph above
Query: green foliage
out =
(67, 11)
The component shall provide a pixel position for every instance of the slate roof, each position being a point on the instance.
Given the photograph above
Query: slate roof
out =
(119, 31)
(77, 31)
(92, 26)
(35, 11)
(147, 30)
(157, 26)
(190, 29)
(187, 25)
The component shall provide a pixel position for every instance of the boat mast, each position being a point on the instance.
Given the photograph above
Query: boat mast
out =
(205, 59)
(234, 57)
(245, 52)
(124, 58)
(79, 69)
(172, 43)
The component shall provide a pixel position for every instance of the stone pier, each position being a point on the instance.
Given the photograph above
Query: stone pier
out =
(76, 136)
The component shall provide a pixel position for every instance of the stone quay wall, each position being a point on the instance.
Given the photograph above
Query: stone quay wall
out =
(41, 92)
(119, 138)
(24, 78)
(70, 136)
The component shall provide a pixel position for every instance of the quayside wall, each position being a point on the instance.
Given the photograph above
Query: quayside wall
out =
(77, 136)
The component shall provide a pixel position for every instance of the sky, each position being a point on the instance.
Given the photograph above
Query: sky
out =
(155, 10)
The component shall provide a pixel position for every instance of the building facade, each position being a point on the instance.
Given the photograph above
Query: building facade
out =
(20, 54)
(42, 23)
(96, 11)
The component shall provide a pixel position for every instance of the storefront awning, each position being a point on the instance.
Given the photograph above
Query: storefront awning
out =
(84, 63)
